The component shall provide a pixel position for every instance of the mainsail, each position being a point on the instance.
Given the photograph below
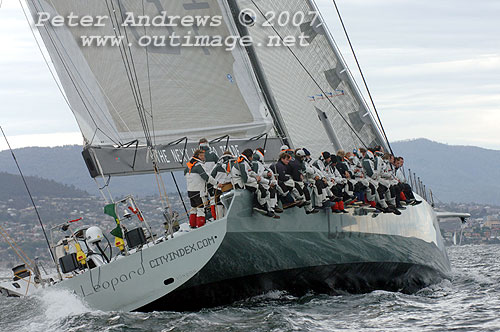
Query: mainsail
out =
(300, 97)
(184, 92)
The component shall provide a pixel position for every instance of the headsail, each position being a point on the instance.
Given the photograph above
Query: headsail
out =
(185, 92)
(298, 96)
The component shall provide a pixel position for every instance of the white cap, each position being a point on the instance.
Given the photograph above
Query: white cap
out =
(284, 147)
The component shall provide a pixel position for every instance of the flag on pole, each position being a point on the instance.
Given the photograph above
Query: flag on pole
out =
(110, 210)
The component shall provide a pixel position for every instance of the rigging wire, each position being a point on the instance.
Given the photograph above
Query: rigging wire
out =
(149, 79)
(311, 76)
(353, 80)
(129, 63)
(130, 68)
(29, 194)
(362, 75)
(65, 68)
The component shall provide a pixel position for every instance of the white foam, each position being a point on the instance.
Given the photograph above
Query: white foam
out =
(56, 305)
(61, 304)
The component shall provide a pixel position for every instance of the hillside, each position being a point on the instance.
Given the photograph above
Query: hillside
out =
(65, 164)
(13, 187)
(454, 173)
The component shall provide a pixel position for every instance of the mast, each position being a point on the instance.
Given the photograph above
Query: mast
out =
(261, 78)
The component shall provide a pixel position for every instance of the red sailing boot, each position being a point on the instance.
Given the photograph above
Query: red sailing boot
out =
(192, 220)
(342, 207)
(200, 221)
(335, 207)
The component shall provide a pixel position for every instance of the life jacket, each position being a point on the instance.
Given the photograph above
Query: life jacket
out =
(191, 164)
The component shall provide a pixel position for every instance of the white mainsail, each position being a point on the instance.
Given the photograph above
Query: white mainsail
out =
(190, 91)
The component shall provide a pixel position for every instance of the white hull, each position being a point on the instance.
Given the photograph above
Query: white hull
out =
(133, 281)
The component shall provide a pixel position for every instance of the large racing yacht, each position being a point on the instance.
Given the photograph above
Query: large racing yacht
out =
(142, 107)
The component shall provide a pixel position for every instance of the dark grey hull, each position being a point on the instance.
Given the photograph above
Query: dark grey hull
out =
(324, 253)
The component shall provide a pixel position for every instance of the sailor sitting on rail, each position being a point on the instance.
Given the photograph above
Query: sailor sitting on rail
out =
(385, 179)
(268, 181)
(337, 186)
(321, 166)
(406, 188)
(197, 180)
(395, 188)
(222, 174)
(357, 180)
(314, 179)
(243, 176)
(372, 175)
(285, 181)
(300, 192)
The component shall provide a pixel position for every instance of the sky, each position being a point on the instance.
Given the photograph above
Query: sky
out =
(433, 68)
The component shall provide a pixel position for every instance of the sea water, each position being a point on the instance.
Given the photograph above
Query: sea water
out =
(470, 301)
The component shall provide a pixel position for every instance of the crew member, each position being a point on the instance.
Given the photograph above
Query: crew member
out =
(285, 182)
(243, 176)
(197, 180)
(222, 174)
(211, 159)
(268, 181)
(407, 190)
(300, 192)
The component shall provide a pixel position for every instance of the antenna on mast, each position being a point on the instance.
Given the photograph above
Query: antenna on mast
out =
(31, 197)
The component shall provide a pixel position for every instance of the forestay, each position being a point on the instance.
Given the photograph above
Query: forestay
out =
(298, 97)
(189, 92)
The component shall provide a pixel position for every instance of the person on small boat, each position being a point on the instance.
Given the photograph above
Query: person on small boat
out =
(197, 179)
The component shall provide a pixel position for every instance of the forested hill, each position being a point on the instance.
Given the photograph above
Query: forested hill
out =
(65, 164)
(12, 187)
(455, 173)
